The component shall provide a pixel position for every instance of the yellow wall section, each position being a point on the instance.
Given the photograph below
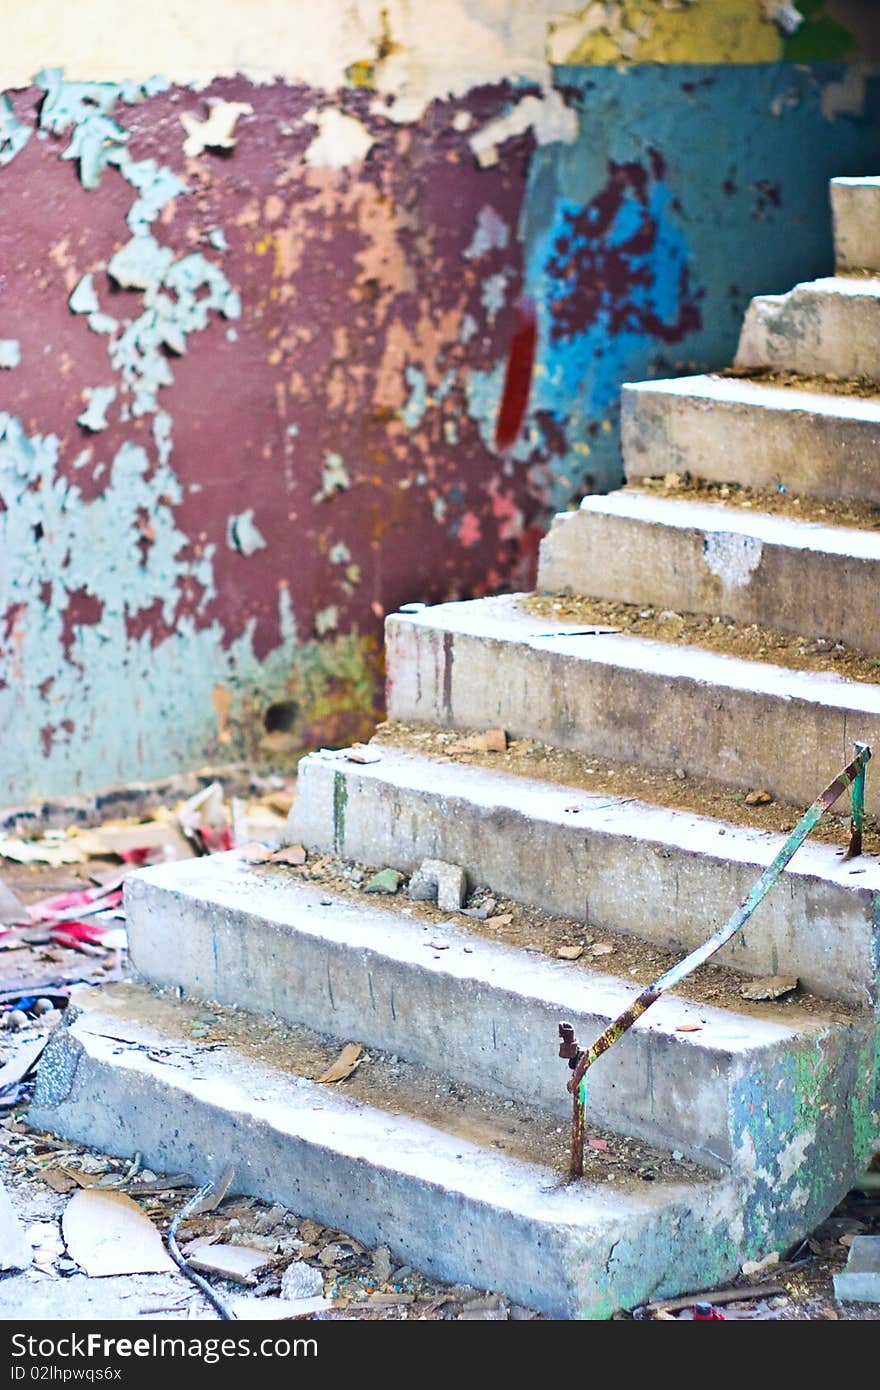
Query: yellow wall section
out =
(406, 48)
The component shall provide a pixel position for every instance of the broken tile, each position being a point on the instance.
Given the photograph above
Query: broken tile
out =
(438, 881)
(240, 1263)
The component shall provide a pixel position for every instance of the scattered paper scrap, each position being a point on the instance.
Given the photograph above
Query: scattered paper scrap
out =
(15, 1251)
(107, 1233)
(492, 741)
(348, 1061)
(570, 952)
(363, 753)
(773, 987)
(237, 1262)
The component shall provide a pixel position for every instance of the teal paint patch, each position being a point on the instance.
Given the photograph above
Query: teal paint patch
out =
(335, 477)
(670, 204)
(14, 134)
(414, 410)
(97, 671)
(94, 417)
(10, 353)
(243, 535)
(83, 299)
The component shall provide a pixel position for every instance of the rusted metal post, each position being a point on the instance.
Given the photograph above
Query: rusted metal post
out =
(858, 808)
(569, 1049)
(854, 772)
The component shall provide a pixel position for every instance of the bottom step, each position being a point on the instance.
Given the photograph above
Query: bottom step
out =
(474, 1195)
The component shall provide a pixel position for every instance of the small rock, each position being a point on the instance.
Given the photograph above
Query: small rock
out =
(751, 1268)
(570, 952)
(382, 1264)
(759, 798)
(385, 881)
(301, 1281)
(16, 1019)
(601, 948)
(773, 987)
(435, 880)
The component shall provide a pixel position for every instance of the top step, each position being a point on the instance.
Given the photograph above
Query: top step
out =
(827, 327)
(855, 205)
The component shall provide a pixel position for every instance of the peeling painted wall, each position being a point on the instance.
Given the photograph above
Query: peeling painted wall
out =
(254, 315)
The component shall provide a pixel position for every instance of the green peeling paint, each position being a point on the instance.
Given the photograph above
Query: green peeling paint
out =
(14, 135)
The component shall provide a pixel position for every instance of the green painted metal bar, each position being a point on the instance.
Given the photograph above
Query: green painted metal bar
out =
(853, 775)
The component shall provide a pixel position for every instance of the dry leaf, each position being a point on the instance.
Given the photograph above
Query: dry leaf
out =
(492, 741)
(759, 798)
(290, 854)
(107, 1233)
(348, 1061)
(689, 1028)
(570, 952)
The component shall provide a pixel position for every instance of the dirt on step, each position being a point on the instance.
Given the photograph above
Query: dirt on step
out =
(677, 790)
(830, 385)
(531, 929)
(714, 634)
(861, 516)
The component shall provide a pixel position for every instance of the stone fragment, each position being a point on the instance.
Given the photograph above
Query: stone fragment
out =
(385, 881)
(438, 881)
(773, 987)
(300, 1280)
(860, 1281)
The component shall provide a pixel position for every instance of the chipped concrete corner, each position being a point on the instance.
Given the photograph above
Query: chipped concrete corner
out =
(253, 354)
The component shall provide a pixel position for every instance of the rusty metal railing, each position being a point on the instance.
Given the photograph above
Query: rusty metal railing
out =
(580, 1060)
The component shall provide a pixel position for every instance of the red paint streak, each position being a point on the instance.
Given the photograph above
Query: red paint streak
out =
(518, 377)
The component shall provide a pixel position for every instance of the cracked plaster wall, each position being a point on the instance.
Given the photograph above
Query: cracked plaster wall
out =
(254, 314)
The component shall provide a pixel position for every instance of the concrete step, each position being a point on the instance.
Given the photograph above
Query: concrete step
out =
(490, 662)
(433, 1182)
(451, 1185)
(828, 327)
(669, 877)
(855, 207)
(261, 940)
(795, 576)
(819, 443)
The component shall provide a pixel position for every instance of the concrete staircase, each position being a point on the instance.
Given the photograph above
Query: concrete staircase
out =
(744, 1124)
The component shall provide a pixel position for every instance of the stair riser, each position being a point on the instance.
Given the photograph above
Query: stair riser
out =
(350, 1182)
(612, 877)
(813, 334)
(855, 205)
(760, 447)
(809, 592)
(747, 739)
(671, 1090)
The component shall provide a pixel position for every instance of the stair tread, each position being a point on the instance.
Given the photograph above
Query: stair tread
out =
(748, 391)
(550, 801)
(473, 1144)
(271, 893)
(502, 619)
(793, 532)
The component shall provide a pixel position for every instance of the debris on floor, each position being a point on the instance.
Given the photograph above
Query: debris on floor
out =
(860, 1281)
